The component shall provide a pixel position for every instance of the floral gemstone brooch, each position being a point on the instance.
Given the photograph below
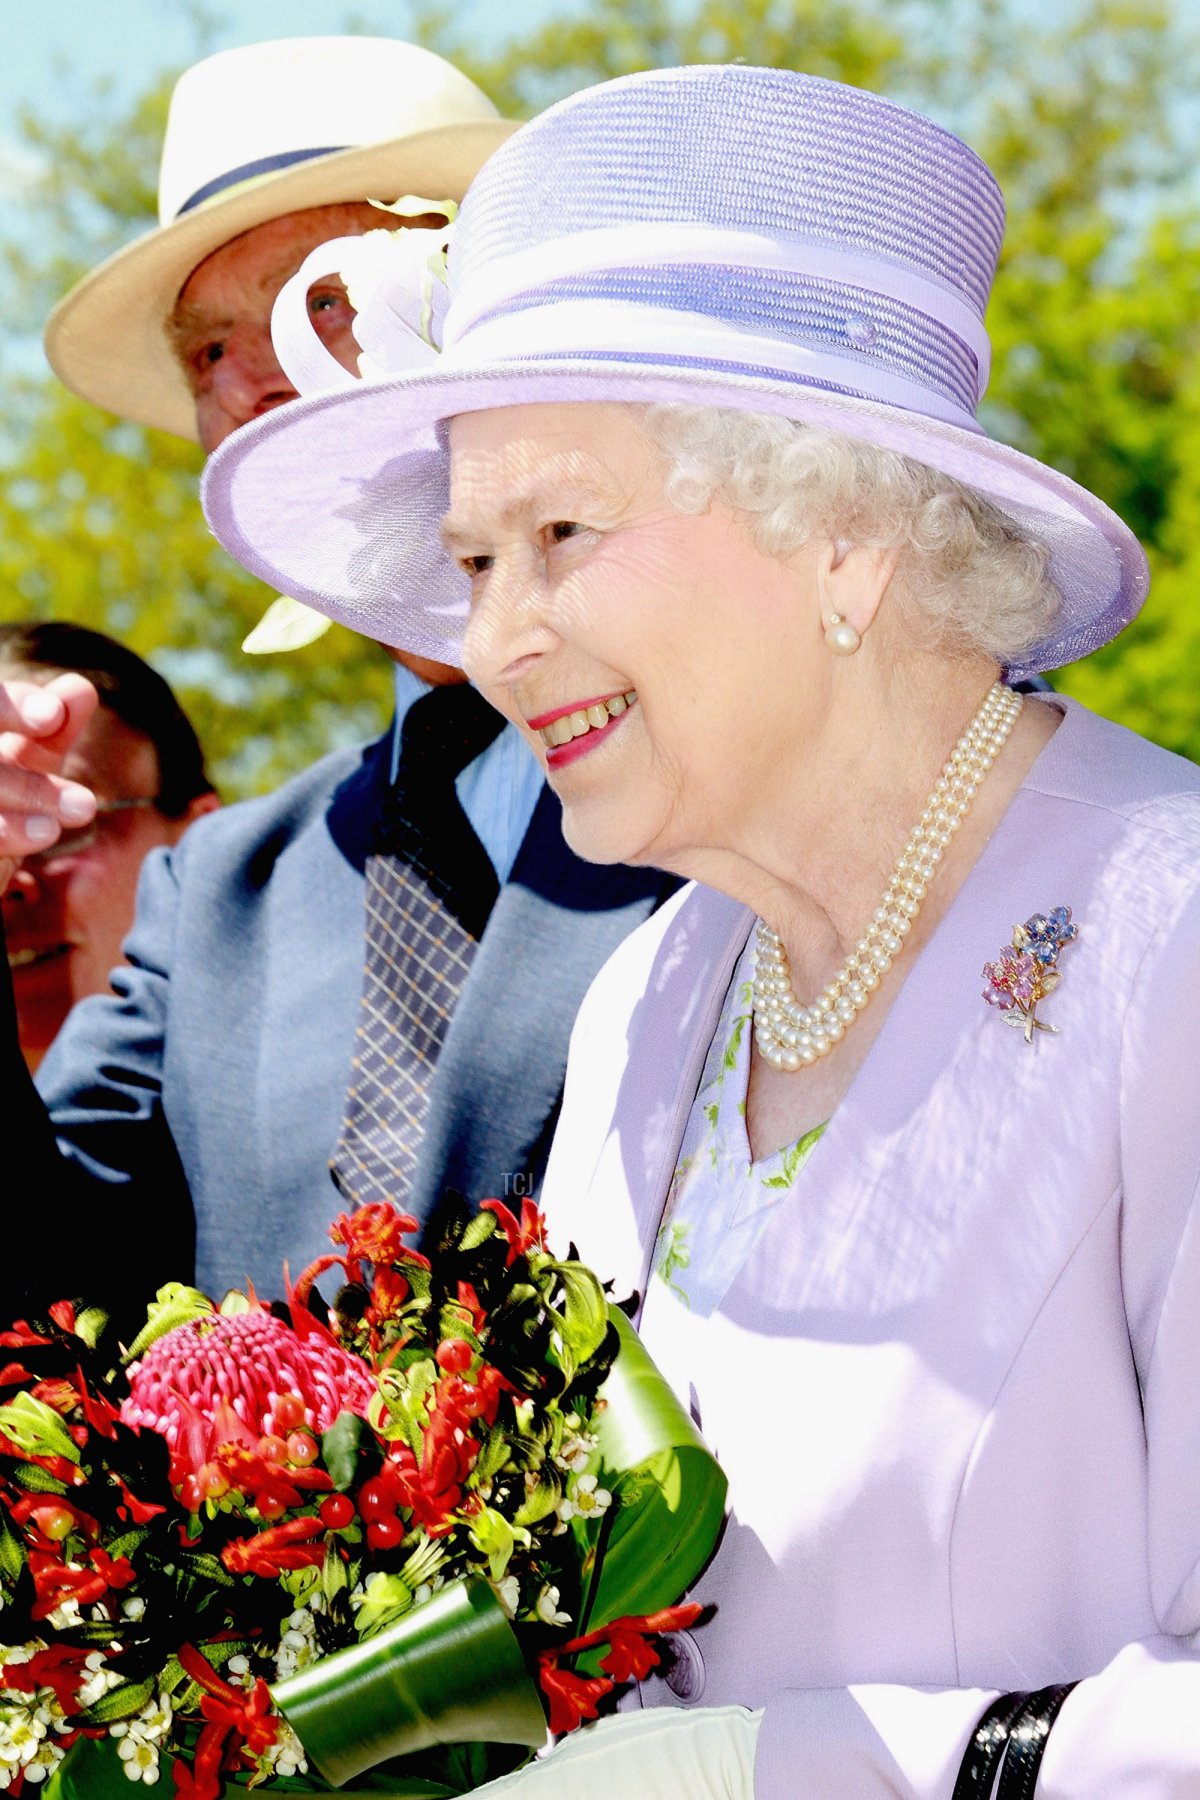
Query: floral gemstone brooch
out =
(1026, 971)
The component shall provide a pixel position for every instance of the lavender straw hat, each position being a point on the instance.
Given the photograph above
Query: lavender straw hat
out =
(717, 236)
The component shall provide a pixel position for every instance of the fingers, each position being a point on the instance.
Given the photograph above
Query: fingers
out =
(38, 725)
(40, 721)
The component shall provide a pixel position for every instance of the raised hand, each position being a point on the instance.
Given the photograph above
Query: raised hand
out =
(39, 722)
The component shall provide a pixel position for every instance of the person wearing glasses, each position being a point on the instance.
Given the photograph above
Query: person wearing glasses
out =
(69, 906)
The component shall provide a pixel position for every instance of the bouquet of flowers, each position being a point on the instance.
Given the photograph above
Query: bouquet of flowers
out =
(286, 1545)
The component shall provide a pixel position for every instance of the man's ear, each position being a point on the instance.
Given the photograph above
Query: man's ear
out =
(203, 803)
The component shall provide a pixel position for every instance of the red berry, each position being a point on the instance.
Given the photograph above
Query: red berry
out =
(376, 1500)
(288, 1412)
(455, 1356)
(54, 1522)
(190, 1494)
(212, 1481)
(271, 1449)
(336, 1511)
(384, 1534)
(269, 1507)
(302, 1449)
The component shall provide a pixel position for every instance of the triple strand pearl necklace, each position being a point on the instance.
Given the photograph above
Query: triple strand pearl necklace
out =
(790, 1034)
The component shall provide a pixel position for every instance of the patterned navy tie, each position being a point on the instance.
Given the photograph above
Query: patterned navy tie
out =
(430, 890)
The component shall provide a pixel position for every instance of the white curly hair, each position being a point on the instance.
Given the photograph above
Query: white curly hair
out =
(968, 576)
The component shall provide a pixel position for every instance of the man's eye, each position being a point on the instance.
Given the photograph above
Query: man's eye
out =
(212, 353)
(475, 565)
(324, 303)
(562, 529)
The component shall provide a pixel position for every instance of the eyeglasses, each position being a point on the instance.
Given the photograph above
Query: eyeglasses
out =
(73, 843)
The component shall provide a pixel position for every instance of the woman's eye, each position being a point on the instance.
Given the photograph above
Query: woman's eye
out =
(562, 529)
(475, 565)
(212, 353)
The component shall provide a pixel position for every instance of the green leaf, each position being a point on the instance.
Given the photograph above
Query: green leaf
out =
(12, 1555)
(38, 1481)
(542, 1499)
(37, 1429)
(175, 1304)
(119, 1703)
(482, 1227)
(339, 1449)
(89, 1325)
(585, 1311)
(492, 1534)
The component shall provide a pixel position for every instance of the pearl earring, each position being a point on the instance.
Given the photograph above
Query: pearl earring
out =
(840, 637)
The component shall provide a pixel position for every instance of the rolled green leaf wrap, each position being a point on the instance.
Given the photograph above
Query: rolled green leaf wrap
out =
(449, 1672)
(669, 1488)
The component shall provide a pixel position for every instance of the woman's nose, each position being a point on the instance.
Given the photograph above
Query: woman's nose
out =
(508, 628)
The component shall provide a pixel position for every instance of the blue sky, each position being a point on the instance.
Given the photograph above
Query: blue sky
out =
(55, 49)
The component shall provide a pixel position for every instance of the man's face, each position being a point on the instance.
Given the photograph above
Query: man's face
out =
(67, 912)
(221, 326)
(221, 329)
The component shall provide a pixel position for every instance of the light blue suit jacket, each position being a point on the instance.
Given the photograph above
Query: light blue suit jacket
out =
(210, 1088)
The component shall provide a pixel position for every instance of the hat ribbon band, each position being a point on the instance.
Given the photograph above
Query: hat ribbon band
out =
(664, 246)
(596, 329)
(253, 171)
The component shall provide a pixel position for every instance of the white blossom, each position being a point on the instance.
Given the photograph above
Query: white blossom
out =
(584, 1499)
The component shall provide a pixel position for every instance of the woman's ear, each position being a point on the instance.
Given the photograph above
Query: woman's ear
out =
(852, 580)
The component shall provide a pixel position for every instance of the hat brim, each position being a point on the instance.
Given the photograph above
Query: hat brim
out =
(336, 499)
(106, 340)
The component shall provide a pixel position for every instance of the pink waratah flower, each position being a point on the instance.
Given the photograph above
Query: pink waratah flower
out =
(248, 1361)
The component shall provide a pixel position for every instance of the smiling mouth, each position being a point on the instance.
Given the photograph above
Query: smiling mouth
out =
(578, 723)
(31, 957)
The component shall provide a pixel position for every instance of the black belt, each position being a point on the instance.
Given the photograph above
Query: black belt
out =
(1014, 1730)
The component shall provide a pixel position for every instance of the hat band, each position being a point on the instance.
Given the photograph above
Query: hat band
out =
(595, 329)
(641, 246)
(252, 171)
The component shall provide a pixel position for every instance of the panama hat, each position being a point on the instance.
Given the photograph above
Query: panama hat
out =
(253, 134)
(713, 236)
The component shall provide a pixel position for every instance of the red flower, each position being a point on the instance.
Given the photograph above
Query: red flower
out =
(631, 1657)
(22, 1337)
(229, 1710)
(203, 1780)
(389, 1291)
(54, 1582)
(118, 1572)
(373, 1233)
(59, 1466)
(60, 1666)
(249, 1718)
(573, 1698)
(268, 1553)
(529, 1234)
(138, 1511)
(468, 1299)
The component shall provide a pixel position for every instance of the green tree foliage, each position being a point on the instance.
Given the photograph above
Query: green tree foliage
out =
(1086, 111)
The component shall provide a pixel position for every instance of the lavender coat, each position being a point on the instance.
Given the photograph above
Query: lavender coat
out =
(956, 1388)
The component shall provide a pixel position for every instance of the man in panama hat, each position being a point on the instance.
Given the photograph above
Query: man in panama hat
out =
(260, 1031)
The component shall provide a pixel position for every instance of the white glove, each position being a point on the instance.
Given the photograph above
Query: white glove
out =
(658, 1754)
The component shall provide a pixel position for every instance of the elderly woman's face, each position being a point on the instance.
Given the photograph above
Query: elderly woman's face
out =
(655, 661)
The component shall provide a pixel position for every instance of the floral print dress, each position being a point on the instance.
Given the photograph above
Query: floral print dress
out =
(720, 1200)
